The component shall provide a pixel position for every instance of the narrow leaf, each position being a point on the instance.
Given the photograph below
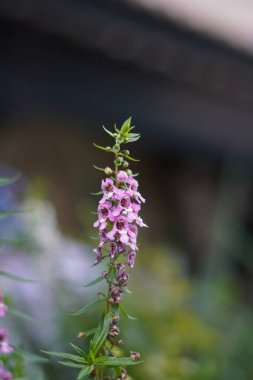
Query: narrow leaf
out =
(116, 129)
(125, 312)
(13, 241)
(86, 308)
(21, 315)
(65, 355)
(110, 361)
(128, 291)
(101, 334)
(131, 158)
(11, 212)
(15, 277)
(107, 131)
(85, 372)
(98, 168)
(8, 180)
(80, 352)
(126, 125)
(105, 148)
(70, 364)
(31, 357)
(98, 193)
(96, 281)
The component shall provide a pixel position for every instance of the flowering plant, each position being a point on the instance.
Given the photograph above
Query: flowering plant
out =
(11, 361)
(117, 223)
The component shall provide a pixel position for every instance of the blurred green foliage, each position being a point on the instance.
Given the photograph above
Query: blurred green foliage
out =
(179, 337)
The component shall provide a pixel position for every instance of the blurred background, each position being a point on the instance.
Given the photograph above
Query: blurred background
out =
(184, 71)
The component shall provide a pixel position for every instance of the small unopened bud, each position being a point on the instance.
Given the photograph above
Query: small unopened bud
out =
(115, 319)
(125, 164)
(114, 331)
(108, 171)
(118, 161)
(135, 355)
(108, 148)
(129, 172)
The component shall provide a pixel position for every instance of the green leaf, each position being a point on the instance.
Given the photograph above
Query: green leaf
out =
(105, 148)
(13, 241)
(96, 281)
(21, 315)
(86, 308)
(110, 361)
(31, 357)
(107, 131)
(11, 212)
(98, 168)
(132, 139)
(15, 277)
(101, 334)
(125, 312)
(74, 358)
(85, 372)
(8, 180)
(128, 291)
(98, 193)
(130, 158)
(111, 273)
(70, 364)
(115, 308)
(116, 129)
(80, 352)
(126, 125)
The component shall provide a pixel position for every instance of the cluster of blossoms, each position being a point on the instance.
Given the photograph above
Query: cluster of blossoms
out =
(5, 348)
(118, 222)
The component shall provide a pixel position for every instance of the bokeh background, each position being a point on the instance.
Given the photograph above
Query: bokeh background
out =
(184, 71)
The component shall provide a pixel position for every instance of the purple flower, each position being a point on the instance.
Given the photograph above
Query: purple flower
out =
(5, 348)
(103, 214)
(3, 306)
(131, 258)
(4, 374)
(99, 255)
(122, 176)
(133, 190)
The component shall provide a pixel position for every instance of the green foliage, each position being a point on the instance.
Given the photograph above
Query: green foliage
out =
(121, 136)
(89, 306)
(101, 334)
(15, 277)
(94, 282)
(9, 180)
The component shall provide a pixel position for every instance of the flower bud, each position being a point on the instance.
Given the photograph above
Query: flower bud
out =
(125, 164)
(129, 172)
(118, 161)
(108, 171)
(135, 355)
(122, 176)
